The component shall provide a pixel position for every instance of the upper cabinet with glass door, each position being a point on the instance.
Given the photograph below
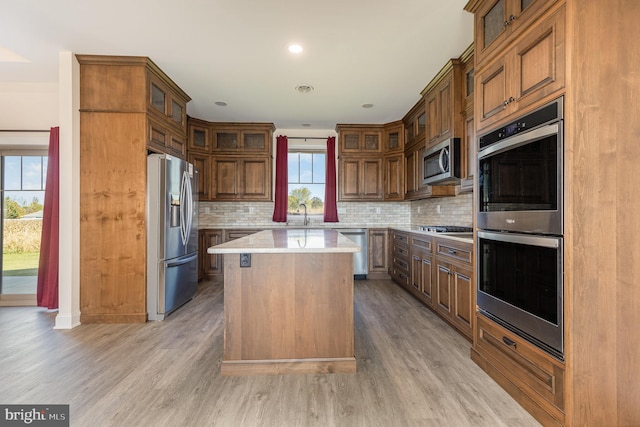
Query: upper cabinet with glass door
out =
(359, 139)
(498, 20)
(167, 101)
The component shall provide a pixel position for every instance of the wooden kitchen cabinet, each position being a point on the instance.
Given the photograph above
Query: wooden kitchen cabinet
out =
(166, 103)
(359, 139)
(242, 137)
(469, 154)
(378, 253)
(528, 72)
(127, 107)
(455, 292)
(393, 139)
(400, 264)
(394, 177)
(498, 21)
(164, 139)
(443, 103)
(199, 136)
(422, 267)
(202, 162)
(360, 178)
(209, 265)
(240, 178)
(415, 124)
(234, 159)
(523, 369)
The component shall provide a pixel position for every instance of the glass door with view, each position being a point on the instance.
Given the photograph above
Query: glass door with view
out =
(23, 182)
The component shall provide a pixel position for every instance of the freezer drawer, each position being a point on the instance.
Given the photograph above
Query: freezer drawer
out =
(177, 283)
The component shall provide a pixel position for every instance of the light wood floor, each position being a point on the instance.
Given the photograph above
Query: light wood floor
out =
(413, 370)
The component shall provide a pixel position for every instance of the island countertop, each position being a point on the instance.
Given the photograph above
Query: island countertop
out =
(289, 241)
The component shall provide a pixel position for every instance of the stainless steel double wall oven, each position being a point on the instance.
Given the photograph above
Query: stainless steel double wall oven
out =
(520, 226)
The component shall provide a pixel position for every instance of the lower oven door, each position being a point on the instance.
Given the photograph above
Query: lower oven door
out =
(520, 285)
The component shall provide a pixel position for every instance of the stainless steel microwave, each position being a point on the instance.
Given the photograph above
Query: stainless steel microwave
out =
(441, 163)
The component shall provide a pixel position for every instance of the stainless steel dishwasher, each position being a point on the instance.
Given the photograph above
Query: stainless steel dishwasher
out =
(360, 262)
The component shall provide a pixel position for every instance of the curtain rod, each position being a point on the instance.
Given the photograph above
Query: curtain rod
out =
(308, 137)
(24, 130)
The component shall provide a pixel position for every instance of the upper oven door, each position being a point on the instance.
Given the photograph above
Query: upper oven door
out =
(520, 182)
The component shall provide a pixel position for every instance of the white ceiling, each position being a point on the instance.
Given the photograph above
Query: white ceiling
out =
(381, 52)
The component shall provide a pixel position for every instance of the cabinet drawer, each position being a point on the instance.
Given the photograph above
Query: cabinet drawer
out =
(400, 252)
(236, 234)
(454, 250)
(526, 366)
(421, 242)
(400, 275)
(400, 238)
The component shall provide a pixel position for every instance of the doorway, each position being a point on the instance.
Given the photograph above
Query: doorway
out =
(22, 184)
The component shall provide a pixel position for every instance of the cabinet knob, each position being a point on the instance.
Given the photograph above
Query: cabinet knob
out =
(509, 20)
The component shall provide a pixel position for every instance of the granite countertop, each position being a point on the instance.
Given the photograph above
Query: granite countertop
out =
(282, 240)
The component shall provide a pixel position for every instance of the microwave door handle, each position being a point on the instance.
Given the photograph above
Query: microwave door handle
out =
(444, 152)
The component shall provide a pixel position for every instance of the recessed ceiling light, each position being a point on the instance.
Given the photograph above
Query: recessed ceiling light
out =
(221, 103)
(367, 105)
(295, 48)
(306, 125)
(304, 88)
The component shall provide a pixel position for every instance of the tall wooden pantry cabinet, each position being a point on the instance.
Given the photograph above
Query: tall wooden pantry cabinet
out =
(128, 107)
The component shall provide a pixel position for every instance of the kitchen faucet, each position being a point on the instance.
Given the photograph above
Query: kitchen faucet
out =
(306, 221)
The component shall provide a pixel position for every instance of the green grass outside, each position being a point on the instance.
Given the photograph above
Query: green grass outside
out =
(20, 264)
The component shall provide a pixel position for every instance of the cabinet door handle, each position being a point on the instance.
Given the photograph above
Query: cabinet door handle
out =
(509, 342)
(452, 251)
(416, 257)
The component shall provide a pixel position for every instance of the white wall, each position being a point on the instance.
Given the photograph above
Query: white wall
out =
(40, 106)
(29, 106)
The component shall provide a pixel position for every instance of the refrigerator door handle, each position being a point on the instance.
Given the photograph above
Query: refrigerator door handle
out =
(186, 208)
(179, 261)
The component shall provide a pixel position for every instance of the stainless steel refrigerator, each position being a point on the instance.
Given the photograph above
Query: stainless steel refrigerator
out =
(172, 234)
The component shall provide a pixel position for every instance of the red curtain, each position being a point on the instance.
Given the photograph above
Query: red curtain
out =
(282, 180)
(330, 206)
(47, 295)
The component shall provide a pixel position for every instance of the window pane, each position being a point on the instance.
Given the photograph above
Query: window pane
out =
(12, 173)
(306, 183)
(318, 167)
(292, 167)
(305, 167)
(32, 173)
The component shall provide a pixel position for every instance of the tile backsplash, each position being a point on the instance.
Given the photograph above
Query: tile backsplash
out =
(441, 211)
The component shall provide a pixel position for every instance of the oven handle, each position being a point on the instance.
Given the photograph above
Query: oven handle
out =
(520, 139)
(523, 239)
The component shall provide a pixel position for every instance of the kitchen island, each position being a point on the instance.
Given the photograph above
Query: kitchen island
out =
(288, 302)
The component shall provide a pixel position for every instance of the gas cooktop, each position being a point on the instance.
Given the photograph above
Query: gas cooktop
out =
(445, 229)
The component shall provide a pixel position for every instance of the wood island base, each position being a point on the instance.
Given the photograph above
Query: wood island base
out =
(288, 313)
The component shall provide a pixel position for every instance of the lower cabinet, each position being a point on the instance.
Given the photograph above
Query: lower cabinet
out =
(400, 257)
(534, 378)
(209, 265)
(378, 253)
(439, 272)
(454, 283)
